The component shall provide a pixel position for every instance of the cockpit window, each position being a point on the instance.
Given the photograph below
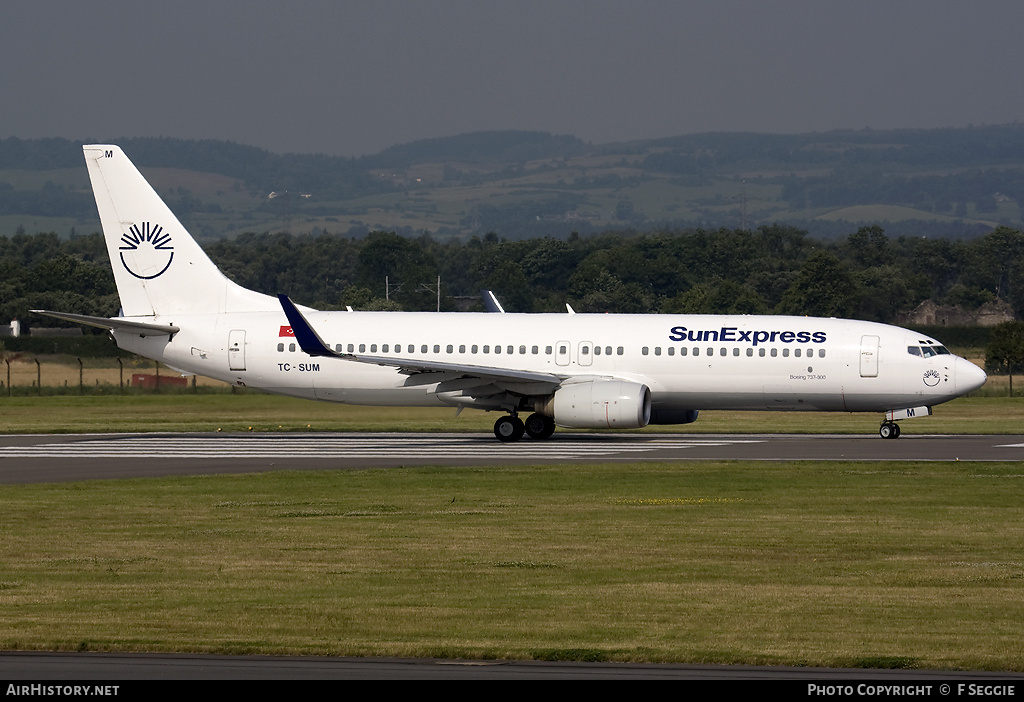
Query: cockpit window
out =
(929, 351)
(914, 350)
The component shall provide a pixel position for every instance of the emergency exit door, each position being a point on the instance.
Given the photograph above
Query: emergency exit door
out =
(869, 356)
(236, 350)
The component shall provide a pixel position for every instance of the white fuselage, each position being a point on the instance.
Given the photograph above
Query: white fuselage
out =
(689, 362)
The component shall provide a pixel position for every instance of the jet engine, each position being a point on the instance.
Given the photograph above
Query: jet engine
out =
(599, 404)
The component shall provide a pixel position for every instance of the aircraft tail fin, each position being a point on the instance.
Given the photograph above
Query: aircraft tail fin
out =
(158, 267)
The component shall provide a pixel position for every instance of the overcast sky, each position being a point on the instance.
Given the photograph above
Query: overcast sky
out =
(351, 77)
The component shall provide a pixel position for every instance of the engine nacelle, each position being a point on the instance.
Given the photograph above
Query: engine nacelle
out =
(600, 404)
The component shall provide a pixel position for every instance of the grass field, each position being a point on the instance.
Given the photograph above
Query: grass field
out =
(806, 563)
(254, 411)
(880, 565)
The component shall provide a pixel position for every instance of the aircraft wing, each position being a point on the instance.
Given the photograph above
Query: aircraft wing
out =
(311, 343)
(115, 323)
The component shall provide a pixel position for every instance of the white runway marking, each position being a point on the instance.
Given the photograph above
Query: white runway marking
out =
(191, 447)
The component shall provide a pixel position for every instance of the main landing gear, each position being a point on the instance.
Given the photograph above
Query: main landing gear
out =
(511, 427)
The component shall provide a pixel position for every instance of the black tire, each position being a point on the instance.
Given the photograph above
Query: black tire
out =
(509, 429)
(889, 430)
(539, 426)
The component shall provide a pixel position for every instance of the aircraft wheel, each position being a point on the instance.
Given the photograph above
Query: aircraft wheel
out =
(509, 429)
(539, 426)
(889, 430)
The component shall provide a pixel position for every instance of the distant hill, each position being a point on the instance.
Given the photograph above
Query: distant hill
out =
(952, 183)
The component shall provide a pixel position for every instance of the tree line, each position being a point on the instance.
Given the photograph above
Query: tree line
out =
(772, 269)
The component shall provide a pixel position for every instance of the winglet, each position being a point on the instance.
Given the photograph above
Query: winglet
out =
(309, 340)
(491, 303)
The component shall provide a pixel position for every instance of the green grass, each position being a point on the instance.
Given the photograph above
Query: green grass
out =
(809, 563)
(184, 411)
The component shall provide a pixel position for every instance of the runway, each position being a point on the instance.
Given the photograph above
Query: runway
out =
(61, 458)
(126, 667)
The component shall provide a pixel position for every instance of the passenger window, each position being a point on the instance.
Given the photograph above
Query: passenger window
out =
(722, 351)
(760, 352)
(736, 351)
(291, 347)
(351, 348)
(462, 348)
(437, 348)
(362, 348)
(671, 350)
(682, 350)
(450, 349)
(796, 353)
(775, 352)
(548, 350)
(657, 350)
(423, 348)
(645, 351)
(620, 351)
(384, 348)
(750, 352)
(497, 349)
(280, 347)
(373, 348)
(487, 348)
(474, 348)
(510, 349)
(696, 351)
(821, 353)
(785, 353)
(522, 349)
(535, 350)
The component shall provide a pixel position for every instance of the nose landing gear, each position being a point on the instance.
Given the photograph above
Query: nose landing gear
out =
(889, 430)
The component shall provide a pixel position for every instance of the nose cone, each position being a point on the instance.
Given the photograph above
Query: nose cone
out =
(968, 376)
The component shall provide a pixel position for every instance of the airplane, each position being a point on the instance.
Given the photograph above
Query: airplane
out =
(573, 370)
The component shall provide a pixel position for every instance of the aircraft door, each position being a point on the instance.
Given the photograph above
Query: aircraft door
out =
(869, 356)
(562, 352)
(236, 350)
(584, 353)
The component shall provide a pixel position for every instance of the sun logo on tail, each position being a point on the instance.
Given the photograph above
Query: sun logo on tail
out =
(146, 250)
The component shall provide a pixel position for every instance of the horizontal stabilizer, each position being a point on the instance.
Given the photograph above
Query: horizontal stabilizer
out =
(117, 323)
